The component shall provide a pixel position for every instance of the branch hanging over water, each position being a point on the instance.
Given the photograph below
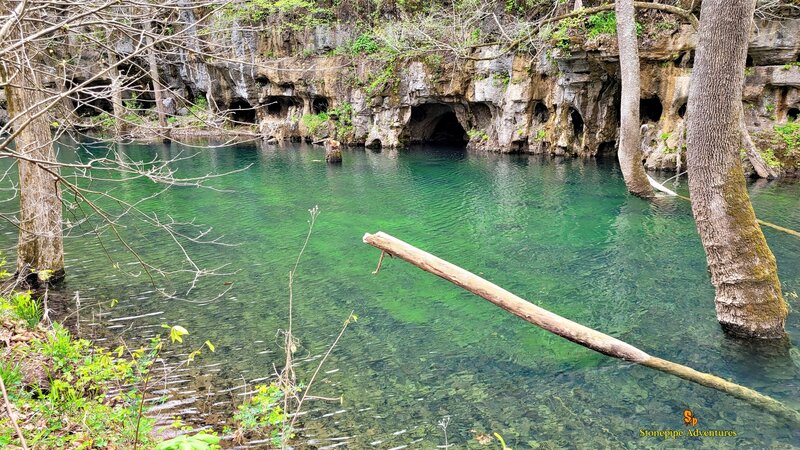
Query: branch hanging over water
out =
(573, 331)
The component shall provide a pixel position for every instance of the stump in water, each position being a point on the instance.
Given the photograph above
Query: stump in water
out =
(333, 151)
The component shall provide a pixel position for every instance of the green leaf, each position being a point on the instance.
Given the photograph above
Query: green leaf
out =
(177, 332)
(210, 346)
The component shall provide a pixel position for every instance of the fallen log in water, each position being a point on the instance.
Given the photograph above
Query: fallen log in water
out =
(566, 328)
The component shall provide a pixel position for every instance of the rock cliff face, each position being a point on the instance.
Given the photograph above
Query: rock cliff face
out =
(562, 101)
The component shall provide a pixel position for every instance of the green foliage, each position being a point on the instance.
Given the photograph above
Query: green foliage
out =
(341, 117)
(768, 155)
(12, 377)
(104, 120)
(133, 103)
(475, 134)
(314, 122)
(789, 66)
(378, 82)
(790, 135)
(290, 14)
(199, 441)
(602, 23)
(364, 44)
(769, 107)
(26, 308)
(76, 410)
(541, 135)
(263, 412)
(501, 78)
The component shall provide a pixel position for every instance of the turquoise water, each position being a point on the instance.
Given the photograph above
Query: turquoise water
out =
(560, 232)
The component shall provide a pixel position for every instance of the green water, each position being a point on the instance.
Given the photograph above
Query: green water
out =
(561, 233)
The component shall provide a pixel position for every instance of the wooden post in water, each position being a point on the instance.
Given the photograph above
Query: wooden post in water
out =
(573, 331)
(333, 151)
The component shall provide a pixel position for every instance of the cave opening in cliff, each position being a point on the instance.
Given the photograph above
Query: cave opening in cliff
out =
(650, 109)
(435, 123)
(93, 99)
(241, 111)
(540, 112)
(319, 105)
(607, 149)
(278, 106)
(577, 122)
(792, 113)
(682, 110)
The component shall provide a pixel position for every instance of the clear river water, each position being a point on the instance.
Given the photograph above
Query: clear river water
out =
(561, 233)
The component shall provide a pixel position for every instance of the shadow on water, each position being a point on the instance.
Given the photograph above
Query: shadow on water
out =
(559, 232)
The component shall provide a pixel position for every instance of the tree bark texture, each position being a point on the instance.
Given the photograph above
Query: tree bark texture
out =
(40, 245)
(630, 150)
(158, 91)
(743, 270)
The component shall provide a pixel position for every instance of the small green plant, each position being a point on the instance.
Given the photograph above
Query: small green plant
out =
(541, 135)
(264, 412)
(602, 23)
(199, 441)
(314, 122)
(768, 155)
(789, 66)
(501, 78)
(789, 133)
(475, 134)
(27, 308)
(104, 120)
(748, 71)
(133, 103)
(769, 107)
(364, 44)
(378, 83)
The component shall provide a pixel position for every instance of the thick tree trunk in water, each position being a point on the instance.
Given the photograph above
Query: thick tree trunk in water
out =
(630, 150)
(743, 269)
(40, 236)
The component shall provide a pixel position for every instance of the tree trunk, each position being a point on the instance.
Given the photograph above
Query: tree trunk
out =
(743, 270)
(117, 83)
(158, 92)
(40, 245)
(630, 142)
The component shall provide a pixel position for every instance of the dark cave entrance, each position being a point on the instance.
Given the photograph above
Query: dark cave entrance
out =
(241, 111)
(435, 123)
(540, 112)
(650, 109)
(319, 105)
(792, 113)
(577, 123)
(93, 99)
(279, 106)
